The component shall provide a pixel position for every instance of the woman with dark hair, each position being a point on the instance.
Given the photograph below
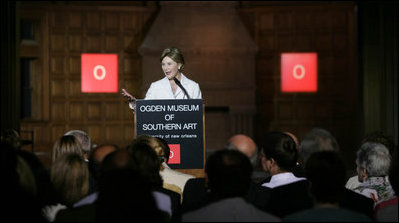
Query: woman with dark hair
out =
(288, 193)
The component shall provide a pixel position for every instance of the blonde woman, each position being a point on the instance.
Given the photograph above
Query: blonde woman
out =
(70, 177)
(67, 144)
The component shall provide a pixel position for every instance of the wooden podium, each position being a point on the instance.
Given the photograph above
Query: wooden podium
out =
(181, 124)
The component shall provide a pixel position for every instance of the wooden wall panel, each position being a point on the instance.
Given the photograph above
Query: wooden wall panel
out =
(93, 21)
(74, 66)
(112, 44)
(75, 20)
(74, 87)
(94, 111)
(76, 111)
(57, 43)
(57, 65)
(112, 111)
(75, 43)
(94, 43)
(70, 30)
(58, 112)
(58, 88)
(113, 133)
(57, 131)
(96, 132)
(325, 29)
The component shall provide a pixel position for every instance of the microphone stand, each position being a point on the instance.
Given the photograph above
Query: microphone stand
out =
(181, 86)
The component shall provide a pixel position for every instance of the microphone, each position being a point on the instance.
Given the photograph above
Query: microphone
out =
(181, 86)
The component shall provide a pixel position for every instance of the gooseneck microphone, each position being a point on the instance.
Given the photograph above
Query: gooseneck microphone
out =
(181, 86)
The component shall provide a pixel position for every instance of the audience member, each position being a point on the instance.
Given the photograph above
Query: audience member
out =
(378, 137)
(172, 179)
(298, 170)
(196, 189)
(247, 145)
(19, 189)
(70, 177)
(45, 191)
(169, 175)
(387, 211)
(317, 140)
(196, 194)
(123, 194)
(229, 176)
(95, 159)
(326, 172)
(84, 140)
(126, 195)
(288, 193)
(66, 144)
(12, 137)
(148, 163)
(244, 144)
(373, 161)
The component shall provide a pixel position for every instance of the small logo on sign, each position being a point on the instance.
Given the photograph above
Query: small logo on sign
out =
(174, 157)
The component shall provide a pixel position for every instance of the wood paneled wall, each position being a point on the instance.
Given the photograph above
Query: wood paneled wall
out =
(67, 32)
(327, 29)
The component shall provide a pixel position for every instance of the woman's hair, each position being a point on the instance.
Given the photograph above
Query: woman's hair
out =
(66, 144)
(70, 177)
(83, 138)
(374, 158)
(146, 161)
(282, 148)
(12, 137)
(156, 144)
(165, 147)
(174, 54)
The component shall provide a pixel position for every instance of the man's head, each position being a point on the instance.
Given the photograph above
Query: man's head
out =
(228, 173)
(315, 140)
(97, 156)
(244, 144)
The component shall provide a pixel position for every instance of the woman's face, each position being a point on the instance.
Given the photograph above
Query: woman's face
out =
(170, 67)
(360, 174)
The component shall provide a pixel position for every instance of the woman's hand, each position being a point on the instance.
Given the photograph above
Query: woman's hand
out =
(130, 98)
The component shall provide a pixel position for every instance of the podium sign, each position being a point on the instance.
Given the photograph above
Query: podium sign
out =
(180, 123)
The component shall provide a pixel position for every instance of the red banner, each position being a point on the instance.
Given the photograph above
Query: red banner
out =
(299, 72)
(99, 72)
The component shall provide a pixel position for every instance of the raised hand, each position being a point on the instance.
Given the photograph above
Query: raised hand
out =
(129, 97)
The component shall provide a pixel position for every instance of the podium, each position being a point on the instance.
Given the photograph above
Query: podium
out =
(181, 124)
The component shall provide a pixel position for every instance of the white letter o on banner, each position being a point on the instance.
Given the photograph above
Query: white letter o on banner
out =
(102, 68)
(296, 76)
